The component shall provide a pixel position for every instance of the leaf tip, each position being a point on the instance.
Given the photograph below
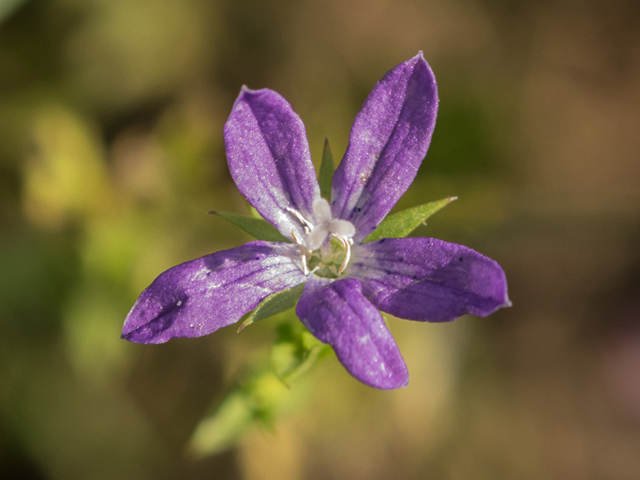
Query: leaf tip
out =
(243, 325)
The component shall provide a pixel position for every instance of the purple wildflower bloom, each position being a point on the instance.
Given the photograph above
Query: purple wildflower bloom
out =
(346, 281)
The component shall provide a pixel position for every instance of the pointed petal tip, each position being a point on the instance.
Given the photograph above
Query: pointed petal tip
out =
(507, 302)
(504, 303)
(244, 90)
(416, 60)
(420, 60)
(128, 337)
(244, 93)
(141, 336)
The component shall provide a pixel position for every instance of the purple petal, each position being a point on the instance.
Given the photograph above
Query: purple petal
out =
(338, 314)
(428, 279)
(199, 297)
(389, 138)
(269, 158)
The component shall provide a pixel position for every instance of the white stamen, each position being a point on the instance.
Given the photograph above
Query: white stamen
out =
(303, 253)
(347, 247)
(305, 223)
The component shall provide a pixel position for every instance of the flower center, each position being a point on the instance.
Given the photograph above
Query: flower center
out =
(326, 248)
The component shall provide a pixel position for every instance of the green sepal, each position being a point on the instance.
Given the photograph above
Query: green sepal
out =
(401, 224)
(256, 227)
(275, 303)
(327, 168)
(254, 213)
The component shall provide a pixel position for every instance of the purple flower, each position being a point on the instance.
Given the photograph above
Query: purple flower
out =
(345, 280)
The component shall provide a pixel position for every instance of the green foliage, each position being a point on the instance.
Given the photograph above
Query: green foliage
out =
(218, 432)
(401, 224)
(7, 7)
(264, 394)
(327, 168)
(256, 227)
(294, 352)
(275, 303)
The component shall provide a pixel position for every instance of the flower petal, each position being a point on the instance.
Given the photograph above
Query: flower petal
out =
(199, 297)
(428, 279)
(338, 314)
(389, 138)
(269, 158)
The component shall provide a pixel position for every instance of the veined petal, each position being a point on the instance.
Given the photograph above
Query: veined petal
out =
(338, 314)
(428, 279)
(269, 158)
(389, 138)
(199, 297)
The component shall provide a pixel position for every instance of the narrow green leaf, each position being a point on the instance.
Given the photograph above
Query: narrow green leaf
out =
(401, 224)
(275, 303)
(326, 171)
(256, 227)
(254, 213)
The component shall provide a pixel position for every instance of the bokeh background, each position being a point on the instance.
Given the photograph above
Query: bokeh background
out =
(111, 153)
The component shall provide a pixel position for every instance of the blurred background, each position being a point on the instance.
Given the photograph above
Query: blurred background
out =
(111, 153)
